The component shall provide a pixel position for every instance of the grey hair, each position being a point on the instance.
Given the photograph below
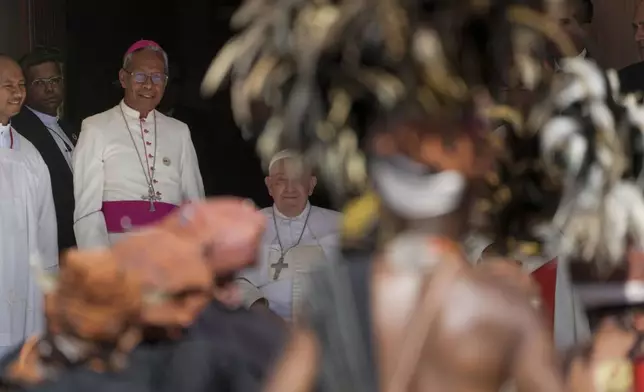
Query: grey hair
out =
(155, 48)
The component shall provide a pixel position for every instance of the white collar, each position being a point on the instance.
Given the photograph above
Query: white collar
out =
(129, 112)
(4, 128)
(44, 117)
(301, 216)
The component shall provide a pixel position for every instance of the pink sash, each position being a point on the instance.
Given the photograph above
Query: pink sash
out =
(123, 216)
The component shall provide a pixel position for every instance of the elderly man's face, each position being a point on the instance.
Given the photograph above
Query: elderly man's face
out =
(290, 185)
(12, 89)
(144, 80)
(638, 27)
(46, 87)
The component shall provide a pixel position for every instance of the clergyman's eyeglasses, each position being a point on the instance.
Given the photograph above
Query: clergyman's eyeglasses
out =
(50, 82)
(142, 77)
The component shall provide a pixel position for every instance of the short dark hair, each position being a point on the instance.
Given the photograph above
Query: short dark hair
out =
(40, 56)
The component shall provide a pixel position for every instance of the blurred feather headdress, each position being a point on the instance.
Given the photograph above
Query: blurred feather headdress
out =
(305, 74)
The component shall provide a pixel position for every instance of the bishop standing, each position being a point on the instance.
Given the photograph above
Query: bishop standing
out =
(298, 237)
(132, 164)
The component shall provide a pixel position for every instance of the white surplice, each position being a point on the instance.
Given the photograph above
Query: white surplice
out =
(319, 244)
(107, 167)
(27, 228)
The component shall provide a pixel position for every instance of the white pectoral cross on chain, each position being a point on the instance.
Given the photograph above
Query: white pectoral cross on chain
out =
(151, 197)
(279, 266)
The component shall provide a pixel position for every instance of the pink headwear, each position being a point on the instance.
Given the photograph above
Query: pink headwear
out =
(144, 43)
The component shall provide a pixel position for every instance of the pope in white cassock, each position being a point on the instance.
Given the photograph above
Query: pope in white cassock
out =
(298, 238)
(27, 218)
(132, 164)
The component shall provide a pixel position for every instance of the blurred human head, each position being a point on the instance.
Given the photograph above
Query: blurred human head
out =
(290, 183)
(45, 83)
(144, 76)
(576, 20)
(12, 89)
(638, 27)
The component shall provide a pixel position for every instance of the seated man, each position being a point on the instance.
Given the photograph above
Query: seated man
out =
(298, 236)
(27, 217)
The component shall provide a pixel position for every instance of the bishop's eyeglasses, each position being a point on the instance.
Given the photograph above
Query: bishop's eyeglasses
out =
(142, 77)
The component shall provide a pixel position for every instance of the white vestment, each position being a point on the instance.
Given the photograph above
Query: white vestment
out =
(319, 243)
(27, 228)
(113, 164)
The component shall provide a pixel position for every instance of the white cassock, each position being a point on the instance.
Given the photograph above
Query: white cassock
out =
(27, 228)
(130, 172)
(283, 284)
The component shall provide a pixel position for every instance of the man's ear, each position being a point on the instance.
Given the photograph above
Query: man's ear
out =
(267, 181)
(123, 77)
(312, 184)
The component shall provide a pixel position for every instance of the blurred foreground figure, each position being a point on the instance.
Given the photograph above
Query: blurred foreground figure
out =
(414, 315)
(410, 314)
(27, 217)
(142, 314)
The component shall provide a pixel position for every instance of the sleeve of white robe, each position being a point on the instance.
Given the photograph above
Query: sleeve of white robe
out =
(249, 293)
(191, 181)
(46, 236)
(47, 228)
(89, 222)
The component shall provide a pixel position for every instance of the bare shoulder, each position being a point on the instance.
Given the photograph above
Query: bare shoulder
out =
(508, 304)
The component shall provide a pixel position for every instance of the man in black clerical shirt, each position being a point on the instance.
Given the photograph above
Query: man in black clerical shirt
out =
(632, 77)
(39, 122)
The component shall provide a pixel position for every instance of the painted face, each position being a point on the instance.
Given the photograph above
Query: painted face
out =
(290, 185)
(429, 149)
(12, 89)
(46, 88)
(144, 81)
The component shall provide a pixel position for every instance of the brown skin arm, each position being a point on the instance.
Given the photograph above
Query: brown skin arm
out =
(296, 369)
(535, 366)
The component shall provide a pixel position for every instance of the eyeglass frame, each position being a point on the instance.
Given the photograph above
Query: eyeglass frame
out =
(147, 77)
(48, 82)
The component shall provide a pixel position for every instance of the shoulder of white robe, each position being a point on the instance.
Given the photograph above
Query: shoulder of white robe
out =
(268, 212)
(28, 149)
(173, 123)
(325, 221)
(99, 120)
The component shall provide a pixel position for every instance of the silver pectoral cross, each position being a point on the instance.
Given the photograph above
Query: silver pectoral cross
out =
(151, 197)
(279, 266)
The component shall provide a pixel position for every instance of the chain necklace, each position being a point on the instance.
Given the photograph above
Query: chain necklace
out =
(280, 263)
(149, 173)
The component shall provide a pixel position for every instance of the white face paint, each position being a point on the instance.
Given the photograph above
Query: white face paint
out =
(418, 197)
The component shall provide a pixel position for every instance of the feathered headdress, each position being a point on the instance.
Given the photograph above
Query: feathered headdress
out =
(591, 142)
(306, 74)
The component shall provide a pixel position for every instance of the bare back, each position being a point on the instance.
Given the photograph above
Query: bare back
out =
(478, 340)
